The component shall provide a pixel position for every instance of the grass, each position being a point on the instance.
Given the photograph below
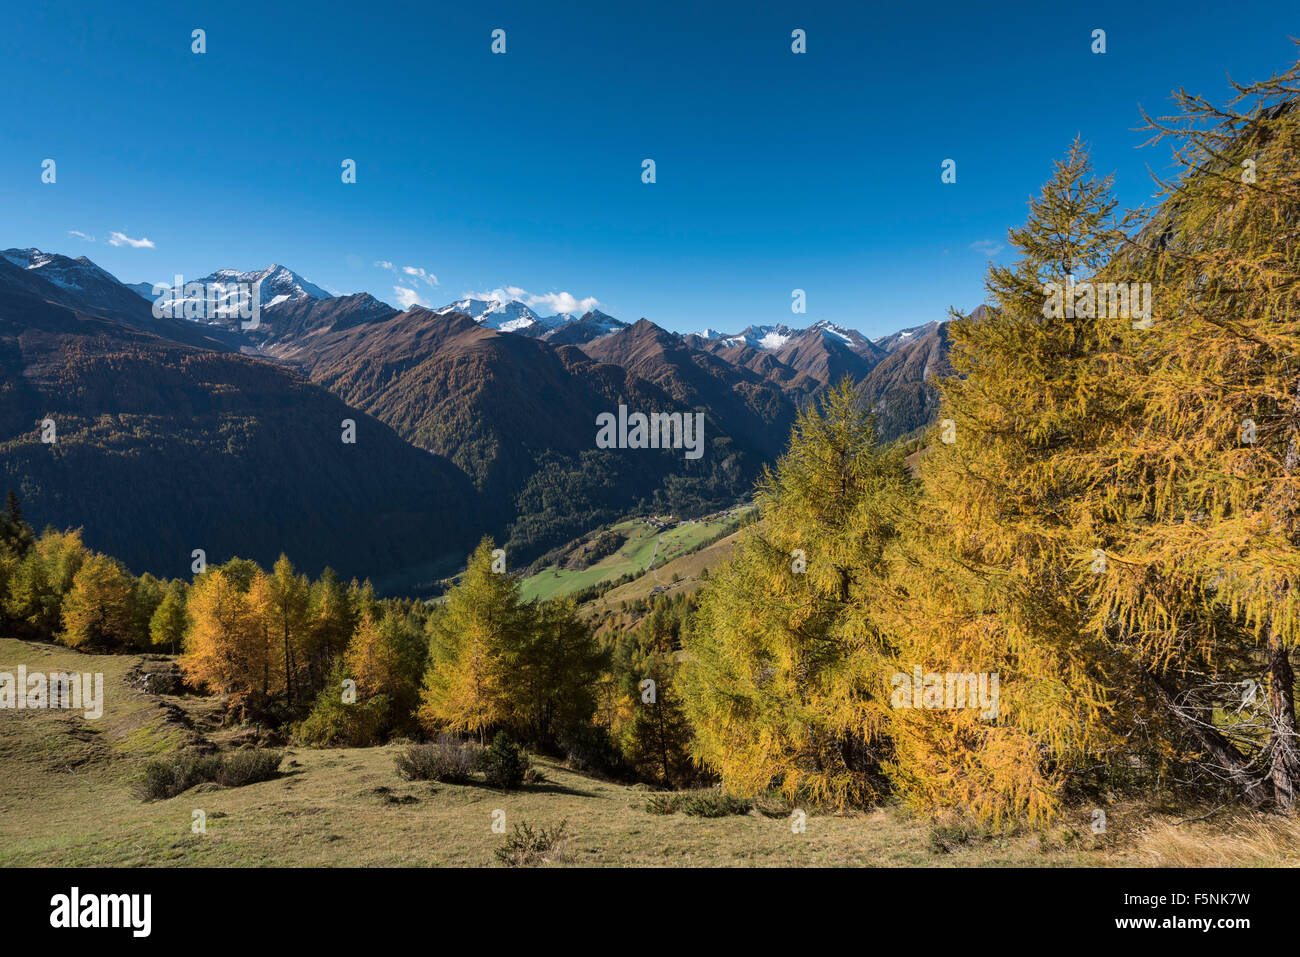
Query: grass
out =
(632, 557)
(67, 800)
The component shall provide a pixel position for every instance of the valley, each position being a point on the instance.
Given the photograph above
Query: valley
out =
(502, 404)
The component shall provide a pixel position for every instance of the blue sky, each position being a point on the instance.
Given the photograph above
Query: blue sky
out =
(775, 171)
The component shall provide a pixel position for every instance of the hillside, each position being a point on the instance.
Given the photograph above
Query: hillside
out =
(163, 448)
(518, 416)
(647, 547)
(69, 802)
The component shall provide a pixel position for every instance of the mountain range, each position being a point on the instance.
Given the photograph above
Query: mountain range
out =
(473, 418)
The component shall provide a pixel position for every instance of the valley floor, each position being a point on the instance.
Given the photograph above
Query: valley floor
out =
(65, 799)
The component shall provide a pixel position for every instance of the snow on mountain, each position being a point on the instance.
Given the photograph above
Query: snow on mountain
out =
(591, 326)
(77, 275)
(767, 338)
(901, 338)
(505, 315)
(276, 285)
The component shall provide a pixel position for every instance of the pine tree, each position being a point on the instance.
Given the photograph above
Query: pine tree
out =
(1205, 583)
(469, 640)
(783, 667)
(550, 672)
(992, 577)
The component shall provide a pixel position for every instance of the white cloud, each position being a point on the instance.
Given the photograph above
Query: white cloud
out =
(80, 235)
(406, 298)
(987, 246)
(551, 302)
(414, 272)
(122, 239)
(426, 277)
(563, 302)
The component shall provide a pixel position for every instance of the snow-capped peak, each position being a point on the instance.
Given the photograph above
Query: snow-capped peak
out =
(78, 274)
(508, 315)
(278, 284)
(768, 338)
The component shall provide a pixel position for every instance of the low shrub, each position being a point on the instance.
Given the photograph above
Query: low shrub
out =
(526, 847)
(714, 802)
(947, 835)
(664, 802)
(504, 763)
(169, 775)
(447, 760)
(238, 768)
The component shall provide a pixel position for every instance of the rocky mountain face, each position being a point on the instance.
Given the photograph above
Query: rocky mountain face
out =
(160, 448)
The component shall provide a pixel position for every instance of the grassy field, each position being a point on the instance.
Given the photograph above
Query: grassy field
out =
(66, 799)
(643, 542)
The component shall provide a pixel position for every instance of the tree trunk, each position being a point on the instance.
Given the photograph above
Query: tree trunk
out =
(1220, 748)
(1285, 745)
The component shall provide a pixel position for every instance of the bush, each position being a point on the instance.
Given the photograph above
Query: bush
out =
(665, 802)
(171, 774)
(528, 848)
(948, 835)
(238, 768)
(447, 760)
(714, 802)
(504, 764)
(335, 724)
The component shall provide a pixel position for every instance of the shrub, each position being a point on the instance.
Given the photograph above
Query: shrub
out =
(664, 802)
(528, 848)
(504, 764)
(714, 802)
(335, 724)
(239, 768)
(948, 835)
(171, 774)
(447, 760)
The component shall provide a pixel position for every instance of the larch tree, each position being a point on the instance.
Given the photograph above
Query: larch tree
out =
(470, 639)
(1206, 581)
(223, 649)
(782, 669)
(171, 619)
(289, 620)
(97, 611)
(992, 578)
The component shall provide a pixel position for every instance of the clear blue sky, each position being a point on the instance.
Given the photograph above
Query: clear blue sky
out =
(775, 171)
